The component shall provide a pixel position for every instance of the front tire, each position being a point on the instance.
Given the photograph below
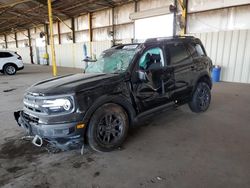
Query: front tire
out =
(201, 98)
(108, 128)
(10, 69)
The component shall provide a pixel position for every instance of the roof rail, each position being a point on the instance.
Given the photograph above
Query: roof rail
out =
(183, 36)
(168, 38)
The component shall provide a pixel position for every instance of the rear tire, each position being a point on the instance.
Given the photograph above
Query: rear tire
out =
(201, 98)
(108, 128)
(10, 69)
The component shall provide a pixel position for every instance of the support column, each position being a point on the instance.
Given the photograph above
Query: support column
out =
(59, 32)
(16, 40)
(30, 46)
(73, 30)
(175, 19)
(5, 39)
(135, 10)
(136, 6)
(52, 39)
(46, 35)
(184, 14)
(46, 29)
(182, 19)
(90, 33)
(113, 26)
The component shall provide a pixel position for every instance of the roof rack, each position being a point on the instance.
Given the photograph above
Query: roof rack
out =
(117, 46)
(168, 38)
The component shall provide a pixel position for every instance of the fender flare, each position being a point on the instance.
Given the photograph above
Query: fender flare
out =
(118, 99)
(205, 77)
(9, 63)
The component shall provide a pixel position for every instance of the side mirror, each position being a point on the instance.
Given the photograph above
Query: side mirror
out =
(142, 75)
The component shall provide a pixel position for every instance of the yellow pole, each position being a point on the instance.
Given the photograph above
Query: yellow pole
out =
(52, 46)
(183, 15)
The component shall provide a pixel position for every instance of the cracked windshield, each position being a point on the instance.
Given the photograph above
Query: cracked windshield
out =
(113, 60)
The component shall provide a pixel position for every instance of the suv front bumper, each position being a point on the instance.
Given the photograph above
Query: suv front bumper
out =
(63, 136)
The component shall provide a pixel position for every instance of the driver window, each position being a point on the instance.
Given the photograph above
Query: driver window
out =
(151, 59)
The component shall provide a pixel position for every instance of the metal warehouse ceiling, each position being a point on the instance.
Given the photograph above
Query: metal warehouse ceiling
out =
(22, 14)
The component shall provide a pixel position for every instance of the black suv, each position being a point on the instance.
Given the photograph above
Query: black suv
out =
(127, 83)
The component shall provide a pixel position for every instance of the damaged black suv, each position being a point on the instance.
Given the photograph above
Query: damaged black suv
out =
(127, 83)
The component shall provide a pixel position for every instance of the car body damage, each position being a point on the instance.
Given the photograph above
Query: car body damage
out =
(60, 129)
(127, 83)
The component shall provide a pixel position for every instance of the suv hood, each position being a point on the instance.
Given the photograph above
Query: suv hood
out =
(72, 83)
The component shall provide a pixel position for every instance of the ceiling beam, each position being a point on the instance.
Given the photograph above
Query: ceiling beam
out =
(15, 25)
(82, 4)
(56, 12)
(12, 4)
(28, 17)
(20, 17)
(35, 11)
(25, 17)
(16, 10)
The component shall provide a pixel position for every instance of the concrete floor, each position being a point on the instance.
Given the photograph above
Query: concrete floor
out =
(175, 149)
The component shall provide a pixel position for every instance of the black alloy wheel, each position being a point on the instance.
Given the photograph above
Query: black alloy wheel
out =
(107, 128)
(110, 129)
(201, 98)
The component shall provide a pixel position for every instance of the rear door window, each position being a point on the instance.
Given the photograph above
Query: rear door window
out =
(191, 48)
(5, 54)
(178, 53)
(195, 50)
(199, 50)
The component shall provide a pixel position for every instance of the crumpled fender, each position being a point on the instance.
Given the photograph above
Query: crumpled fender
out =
(117, 99)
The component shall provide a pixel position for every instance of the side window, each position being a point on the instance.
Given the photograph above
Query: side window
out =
(5, 54)
(178, 53)
(152, 58)
(199, 50)
(191, 48)
(2, 54)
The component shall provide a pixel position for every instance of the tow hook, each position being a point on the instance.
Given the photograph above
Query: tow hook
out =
(37, 141)
(27, 138)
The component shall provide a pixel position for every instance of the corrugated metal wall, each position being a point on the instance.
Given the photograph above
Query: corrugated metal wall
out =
(25, 53)
(71, 55)
(234, 18)
(230, 50)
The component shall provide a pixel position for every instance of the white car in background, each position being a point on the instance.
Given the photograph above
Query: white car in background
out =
(10, 62)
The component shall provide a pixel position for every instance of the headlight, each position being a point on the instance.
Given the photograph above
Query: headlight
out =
(57, 105)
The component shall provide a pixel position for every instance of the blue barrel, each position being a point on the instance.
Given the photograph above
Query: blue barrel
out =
(216, 73)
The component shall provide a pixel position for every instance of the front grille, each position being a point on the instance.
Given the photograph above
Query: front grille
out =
(30, 118)
(31, 102)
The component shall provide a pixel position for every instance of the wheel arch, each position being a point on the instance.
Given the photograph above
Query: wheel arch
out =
(118, 100)
(10, 63)
(204, 78)
(193, 102)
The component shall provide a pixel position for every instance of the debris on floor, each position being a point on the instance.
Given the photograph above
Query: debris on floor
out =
(157, 179)
(9, 90)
